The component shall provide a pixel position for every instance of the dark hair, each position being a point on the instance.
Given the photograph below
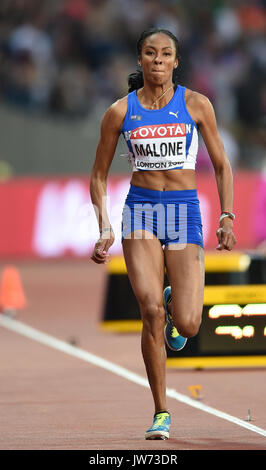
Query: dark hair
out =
(135, 79)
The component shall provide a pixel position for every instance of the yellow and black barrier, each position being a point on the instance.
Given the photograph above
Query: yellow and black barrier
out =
(233, 330)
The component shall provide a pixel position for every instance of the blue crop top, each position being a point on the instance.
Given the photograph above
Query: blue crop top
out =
(161, 139)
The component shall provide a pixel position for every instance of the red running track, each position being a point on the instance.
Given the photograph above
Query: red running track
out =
(51, 400)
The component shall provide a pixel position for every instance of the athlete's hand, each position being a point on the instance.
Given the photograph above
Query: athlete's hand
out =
(100, 253)
(225, 235)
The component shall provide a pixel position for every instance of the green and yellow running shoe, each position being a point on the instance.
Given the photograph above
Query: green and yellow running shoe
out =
(161, 426)
(173, 339)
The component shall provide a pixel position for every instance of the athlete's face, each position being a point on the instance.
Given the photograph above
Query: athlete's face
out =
(158, 58)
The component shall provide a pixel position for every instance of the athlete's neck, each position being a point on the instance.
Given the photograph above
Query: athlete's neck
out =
(155, 97)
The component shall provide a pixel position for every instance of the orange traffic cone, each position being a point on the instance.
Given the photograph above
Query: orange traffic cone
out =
(12, 295)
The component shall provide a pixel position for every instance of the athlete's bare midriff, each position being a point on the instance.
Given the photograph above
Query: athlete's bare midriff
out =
(165, 180)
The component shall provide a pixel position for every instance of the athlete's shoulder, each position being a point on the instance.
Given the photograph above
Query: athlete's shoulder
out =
(119, 107)
(195, 98)
(198, 104)
(115, 113)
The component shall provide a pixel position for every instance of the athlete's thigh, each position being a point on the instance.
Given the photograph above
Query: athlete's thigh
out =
(186, 274)
(144, 259)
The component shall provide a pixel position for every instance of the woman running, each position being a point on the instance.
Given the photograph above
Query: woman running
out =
(161, 221)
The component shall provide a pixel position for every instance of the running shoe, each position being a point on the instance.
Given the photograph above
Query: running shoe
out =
(161, 426)
(173, 339)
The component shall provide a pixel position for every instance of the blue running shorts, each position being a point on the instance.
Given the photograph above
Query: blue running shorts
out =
(172, 216)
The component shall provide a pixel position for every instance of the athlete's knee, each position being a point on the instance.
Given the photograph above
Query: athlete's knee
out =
(189, 325)
(152, 313)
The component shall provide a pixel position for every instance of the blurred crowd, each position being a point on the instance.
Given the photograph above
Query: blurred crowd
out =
(71, 58)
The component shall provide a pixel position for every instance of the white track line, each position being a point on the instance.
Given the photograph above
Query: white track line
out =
(55, 343)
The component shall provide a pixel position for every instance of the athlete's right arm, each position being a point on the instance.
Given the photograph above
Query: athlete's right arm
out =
(110, 131)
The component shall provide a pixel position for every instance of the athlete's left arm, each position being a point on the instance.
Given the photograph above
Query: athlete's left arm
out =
(206, 120)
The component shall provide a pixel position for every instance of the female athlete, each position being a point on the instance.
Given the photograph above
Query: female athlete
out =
(161, 221)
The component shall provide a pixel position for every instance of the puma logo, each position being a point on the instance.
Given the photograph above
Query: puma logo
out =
(174, 114)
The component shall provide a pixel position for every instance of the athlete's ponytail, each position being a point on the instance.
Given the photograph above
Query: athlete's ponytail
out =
(135, 79)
